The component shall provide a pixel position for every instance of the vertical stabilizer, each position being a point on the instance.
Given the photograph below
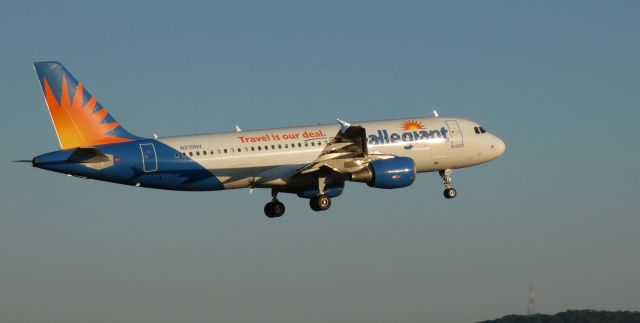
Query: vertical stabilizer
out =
(78, 118)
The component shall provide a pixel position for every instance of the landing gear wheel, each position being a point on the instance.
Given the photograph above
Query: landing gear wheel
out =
(450, 193)
(320, 203)
(274, 209)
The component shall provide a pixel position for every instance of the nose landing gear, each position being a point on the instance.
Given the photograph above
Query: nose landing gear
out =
(449, 191)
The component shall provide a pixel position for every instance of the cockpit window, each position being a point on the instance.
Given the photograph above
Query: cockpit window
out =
(479, 130)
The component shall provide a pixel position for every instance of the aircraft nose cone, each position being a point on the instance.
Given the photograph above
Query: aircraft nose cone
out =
(499, 146)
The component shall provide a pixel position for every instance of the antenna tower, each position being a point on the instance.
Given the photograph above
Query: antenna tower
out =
(531, 307)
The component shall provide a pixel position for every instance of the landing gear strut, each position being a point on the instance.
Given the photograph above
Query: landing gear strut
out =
(449, 191)
(275, 208)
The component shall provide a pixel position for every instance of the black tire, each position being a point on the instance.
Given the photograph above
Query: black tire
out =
(450, 193)
(313, 203)
(274, 209)
(278, 209)
(268, 209)
(320, 203)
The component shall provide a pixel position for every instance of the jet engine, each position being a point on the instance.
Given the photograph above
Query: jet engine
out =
(390, 173)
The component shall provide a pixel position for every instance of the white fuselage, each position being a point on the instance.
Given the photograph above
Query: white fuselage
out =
(267, 158)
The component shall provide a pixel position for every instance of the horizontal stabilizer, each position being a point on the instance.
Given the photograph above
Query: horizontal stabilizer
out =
(87, 155)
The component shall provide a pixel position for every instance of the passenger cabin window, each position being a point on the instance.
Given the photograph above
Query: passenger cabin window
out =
(191, 153)
(225, 151)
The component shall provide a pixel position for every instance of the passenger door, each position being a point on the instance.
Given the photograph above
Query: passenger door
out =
(149, 158)
(455, 134)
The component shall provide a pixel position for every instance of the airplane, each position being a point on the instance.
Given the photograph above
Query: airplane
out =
(314, 162)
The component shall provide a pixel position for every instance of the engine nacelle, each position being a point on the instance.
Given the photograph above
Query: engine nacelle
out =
(387, 173)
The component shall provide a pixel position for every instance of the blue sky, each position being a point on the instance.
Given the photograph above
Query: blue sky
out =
(558, 81)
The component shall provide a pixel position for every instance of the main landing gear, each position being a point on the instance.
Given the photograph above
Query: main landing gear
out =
(449, 191)
(275, 208)
(320, 203)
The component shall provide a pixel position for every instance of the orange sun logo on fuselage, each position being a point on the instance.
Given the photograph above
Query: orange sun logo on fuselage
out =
(412, 125)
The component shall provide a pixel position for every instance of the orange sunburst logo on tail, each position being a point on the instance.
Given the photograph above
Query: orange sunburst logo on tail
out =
(77, 124)
(412, 125)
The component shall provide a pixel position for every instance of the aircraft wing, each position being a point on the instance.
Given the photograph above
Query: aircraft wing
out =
(345, 153)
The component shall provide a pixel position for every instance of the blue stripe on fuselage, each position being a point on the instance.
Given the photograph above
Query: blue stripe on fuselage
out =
(173, 173)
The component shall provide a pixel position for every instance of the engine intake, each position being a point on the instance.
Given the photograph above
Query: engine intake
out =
(387, 173)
